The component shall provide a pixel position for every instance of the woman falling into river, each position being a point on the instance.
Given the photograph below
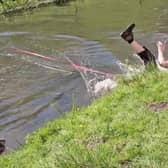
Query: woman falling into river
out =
(144, 53)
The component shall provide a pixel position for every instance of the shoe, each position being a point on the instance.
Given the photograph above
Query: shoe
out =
(127, 35)
(2, 146)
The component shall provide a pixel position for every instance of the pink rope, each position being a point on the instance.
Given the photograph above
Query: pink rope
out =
(75, 66)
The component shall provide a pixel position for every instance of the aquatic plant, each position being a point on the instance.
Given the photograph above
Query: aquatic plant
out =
(7, 6)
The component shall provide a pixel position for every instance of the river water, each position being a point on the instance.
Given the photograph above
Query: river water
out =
(32, 90)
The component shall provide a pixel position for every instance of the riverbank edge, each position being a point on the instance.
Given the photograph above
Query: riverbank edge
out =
(126, 128)
(20, 9)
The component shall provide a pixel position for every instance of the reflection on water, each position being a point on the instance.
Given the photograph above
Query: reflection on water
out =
(30, 92)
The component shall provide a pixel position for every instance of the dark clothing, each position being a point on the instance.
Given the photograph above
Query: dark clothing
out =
(148, 58)
(2, 148)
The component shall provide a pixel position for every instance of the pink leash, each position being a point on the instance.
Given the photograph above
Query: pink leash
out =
(75, 66)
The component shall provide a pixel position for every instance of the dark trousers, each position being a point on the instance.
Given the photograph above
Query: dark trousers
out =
(148, 58)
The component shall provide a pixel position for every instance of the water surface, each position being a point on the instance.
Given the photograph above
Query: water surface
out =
(32, 94)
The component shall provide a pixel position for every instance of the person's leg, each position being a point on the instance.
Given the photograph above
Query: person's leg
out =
(137, 47)
(147, 57)
(128, 36)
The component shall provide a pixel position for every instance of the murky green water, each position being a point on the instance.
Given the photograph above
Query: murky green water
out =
(30, 93)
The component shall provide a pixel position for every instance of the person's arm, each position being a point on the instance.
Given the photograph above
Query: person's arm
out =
(161, 50)
(161, 57)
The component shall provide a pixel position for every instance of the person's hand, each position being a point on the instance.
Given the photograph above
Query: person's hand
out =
(160, 46)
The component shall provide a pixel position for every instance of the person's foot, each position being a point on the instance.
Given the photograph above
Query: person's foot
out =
(127, 35)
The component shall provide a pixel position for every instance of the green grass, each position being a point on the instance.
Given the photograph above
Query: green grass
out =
(10, 6)
(116, 131)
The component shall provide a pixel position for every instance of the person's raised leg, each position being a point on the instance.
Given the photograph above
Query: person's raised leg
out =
(140, 50)
(128, 36)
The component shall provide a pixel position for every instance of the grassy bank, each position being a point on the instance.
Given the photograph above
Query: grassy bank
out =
(13, 6)
(127, 128)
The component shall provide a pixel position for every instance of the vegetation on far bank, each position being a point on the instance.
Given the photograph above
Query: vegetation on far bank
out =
(10, 6)
(126, 129)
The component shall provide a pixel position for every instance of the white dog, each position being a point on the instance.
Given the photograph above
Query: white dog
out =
(104, 87)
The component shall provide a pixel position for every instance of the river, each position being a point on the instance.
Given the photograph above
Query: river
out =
(34, 91)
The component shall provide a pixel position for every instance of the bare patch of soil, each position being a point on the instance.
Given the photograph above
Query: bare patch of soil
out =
(158, 107)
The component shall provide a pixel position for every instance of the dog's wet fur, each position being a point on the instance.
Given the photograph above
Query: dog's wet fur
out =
(103, 87)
